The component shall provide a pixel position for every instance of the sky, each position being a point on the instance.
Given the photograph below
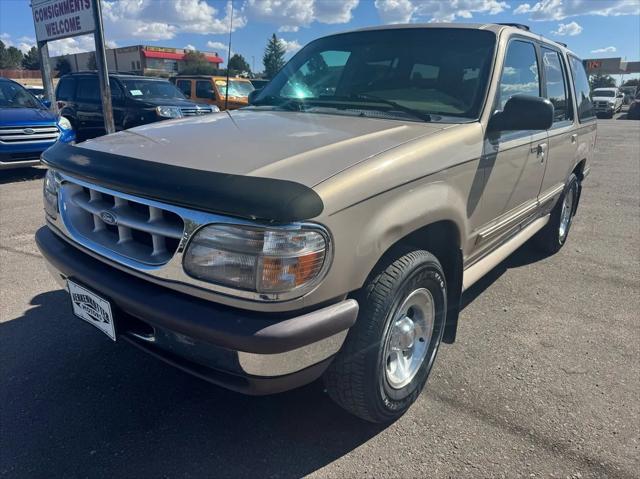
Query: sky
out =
(591, 28)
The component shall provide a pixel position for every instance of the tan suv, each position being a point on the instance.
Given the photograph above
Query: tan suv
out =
(212, 90)
(329, 229)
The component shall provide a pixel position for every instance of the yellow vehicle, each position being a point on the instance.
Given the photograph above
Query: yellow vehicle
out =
(212, 90)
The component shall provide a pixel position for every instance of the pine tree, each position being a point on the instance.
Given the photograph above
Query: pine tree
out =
(238, 64)
(273, 59)
(31, 60)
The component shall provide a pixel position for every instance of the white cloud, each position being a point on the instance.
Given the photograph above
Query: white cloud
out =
(290, 15)
(571, 29)
(561, 9)
(217, 45)
(404, 11)
(395, 11)
(290, 46)
(604, 50)
(23, 44)
(152, 20)
(189, 47)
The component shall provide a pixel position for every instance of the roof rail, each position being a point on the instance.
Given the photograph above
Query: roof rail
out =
(521, 26)
(561, 43)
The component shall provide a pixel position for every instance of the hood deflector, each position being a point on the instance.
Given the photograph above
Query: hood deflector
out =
(250, 197)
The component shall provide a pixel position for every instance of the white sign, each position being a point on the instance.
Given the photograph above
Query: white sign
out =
(55, 19)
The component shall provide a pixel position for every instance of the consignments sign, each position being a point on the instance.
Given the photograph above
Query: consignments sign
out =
(54, 19)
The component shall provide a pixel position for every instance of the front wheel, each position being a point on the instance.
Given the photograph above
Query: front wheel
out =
(554, 235)
(388, 354)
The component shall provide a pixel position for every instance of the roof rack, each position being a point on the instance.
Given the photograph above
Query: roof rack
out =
(561, 43)
(521, 26)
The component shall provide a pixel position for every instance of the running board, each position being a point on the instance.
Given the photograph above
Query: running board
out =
(486, 264)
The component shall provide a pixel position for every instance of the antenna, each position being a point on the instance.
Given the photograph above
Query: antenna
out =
(226, 95)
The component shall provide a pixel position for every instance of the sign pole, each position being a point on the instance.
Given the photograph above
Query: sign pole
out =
(47, 78)
(103, 72)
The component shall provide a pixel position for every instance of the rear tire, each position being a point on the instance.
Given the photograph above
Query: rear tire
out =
(554, 235)
(388, 354)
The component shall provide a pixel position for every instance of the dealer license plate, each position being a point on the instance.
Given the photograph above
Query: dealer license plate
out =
(92, 308)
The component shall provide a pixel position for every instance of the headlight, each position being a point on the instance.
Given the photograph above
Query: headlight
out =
(262, 260)
(169, 111)
(50, 194)
(215, 109)
(611, 103)
(64, 124)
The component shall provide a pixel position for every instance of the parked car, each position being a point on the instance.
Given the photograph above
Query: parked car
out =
(136, 100)
(337, 240)
(212, 90)
(27, 127)
(607, 101)
(634, 108)
(36, 91)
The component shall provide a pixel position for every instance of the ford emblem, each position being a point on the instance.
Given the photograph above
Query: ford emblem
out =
(109, 218)
(28, 131)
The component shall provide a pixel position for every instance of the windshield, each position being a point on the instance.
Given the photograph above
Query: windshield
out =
(442, 71)
(236, 88)
(148, 89)
(13, 95)
(609, 93)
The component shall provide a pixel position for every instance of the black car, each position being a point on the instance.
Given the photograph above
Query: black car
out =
(136, 100)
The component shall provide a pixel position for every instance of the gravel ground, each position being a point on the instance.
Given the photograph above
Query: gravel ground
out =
(543, 382)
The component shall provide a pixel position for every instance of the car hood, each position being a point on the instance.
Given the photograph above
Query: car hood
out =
(604, 98)
(303, 147)
(25, 116)
(182, 102)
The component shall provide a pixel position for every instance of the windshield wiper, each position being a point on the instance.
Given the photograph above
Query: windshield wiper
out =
(292, 104)
(405, 109)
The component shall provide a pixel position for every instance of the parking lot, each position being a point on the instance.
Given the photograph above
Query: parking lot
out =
(543, 380)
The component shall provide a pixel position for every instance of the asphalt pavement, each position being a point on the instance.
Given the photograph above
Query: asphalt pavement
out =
(544, 380)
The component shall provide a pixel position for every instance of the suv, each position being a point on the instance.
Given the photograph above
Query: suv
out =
(388, 169)
(607, 101)
(27, 126)
(211, 89)
(136, 100)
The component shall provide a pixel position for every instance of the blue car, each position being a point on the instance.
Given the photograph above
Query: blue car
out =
(27, 127)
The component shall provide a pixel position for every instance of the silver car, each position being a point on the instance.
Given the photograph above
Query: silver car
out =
(330, 228)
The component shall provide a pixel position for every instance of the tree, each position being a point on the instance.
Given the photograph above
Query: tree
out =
(63, 66)
(10, 58)
(196, 63)
(31, 59)
(632, 82)
(601, 81)
(238, 63)
(273, 58)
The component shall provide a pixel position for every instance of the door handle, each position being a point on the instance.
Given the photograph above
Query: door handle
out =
(574, 138)
(541, 150)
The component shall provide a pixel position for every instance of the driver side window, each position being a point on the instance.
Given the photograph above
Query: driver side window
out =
(520, 74)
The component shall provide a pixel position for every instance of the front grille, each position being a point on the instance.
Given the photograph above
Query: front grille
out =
(133, 229)
(195, 110)
(602, 104)
(28, 134)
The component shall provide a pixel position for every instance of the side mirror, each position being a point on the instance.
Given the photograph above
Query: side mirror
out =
(620, 95)
(252, 96)
(523, 112)
(46, 103)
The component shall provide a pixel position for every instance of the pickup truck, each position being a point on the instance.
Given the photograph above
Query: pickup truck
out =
(607, 101)
(380, 174)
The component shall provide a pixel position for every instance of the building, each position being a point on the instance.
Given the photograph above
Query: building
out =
(139, 59)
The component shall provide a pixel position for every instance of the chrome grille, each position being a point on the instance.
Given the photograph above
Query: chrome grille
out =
(28, 134)
(602, 104)
(195, 110)
(133, 229)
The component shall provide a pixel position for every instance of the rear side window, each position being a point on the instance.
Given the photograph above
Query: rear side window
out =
(184, 86)
(520, 75)
(88, 89)
(204, 89)
(556, 84)
(583, 91)
(65, 89)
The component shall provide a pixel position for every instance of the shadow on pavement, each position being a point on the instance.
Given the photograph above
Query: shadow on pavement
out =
(21, 174)
(76, 405)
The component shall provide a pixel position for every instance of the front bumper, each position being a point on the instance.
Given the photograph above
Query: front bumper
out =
(250, 352)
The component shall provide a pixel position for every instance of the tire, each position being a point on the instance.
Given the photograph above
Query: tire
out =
(367, 378)
(554, 235)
